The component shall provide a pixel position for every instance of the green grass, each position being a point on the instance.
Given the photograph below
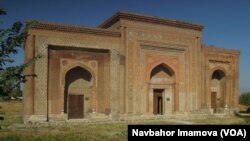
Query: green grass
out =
(221, 120)
(100, 132)
(14, 130)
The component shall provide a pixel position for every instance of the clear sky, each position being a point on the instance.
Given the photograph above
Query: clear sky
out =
(227, 22)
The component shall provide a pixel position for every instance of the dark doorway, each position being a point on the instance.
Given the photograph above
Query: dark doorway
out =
(158, 103)
(218, 96)
(213, 101)
(75, 109)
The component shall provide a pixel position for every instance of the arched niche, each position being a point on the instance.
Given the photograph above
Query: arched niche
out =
(78, 85)
(161, 93)
(218, 90)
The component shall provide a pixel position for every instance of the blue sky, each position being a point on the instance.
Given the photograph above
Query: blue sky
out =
(227, 22)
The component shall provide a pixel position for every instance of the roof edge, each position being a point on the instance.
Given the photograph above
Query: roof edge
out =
(150, 19)
(38, 25)
(211, 48)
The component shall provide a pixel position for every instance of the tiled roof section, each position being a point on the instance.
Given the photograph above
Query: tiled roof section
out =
(73, 29)
(149, 19)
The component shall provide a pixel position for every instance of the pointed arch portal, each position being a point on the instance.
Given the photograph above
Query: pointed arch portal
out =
(218, 90)
(77, 85)
(161, 94)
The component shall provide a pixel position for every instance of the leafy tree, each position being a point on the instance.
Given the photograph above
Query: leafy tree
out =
(10, 40)
(245, 98)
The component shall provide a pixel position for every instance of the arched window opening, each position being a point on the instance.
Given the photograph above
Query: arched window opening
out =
(218, 74)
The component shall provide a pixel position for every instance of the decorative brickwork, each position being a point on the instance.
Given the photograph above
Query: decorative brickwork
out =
(41, 85)
(130, 66)
(114, 81)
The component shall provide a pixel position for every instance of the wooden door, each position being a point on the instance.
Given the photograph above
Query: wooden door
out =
(213, 101)
(75, 106)
(158, 103)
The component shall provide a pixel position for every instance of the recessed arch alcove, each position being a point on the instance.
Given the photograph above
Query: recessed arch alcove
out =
(218, 89)
(161, 93)
(78, 83)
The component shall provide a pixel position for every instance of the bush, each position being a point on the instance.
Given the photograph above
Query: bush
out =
(245, 98)
(248, 110)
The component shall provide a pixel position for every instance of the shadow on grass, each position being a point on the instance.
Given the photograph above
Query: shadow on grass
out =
(244, 114)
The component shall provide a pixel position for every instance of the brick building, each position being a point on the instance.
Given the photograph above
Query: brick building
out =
(130, 65)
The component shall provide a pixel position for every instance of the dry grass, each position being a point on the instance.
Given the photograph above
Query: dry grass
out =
(243, 107)
(221, 120)
(11, 111)
(82, 132)
(13, 130)
(11, 106)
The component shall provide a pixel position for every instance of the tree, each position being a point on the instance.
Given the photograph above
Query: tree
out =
(245, 98)
(10, 40)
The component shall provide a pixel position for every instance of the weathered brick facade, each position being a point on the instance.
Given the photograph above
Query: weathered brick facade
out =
(131, 65)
